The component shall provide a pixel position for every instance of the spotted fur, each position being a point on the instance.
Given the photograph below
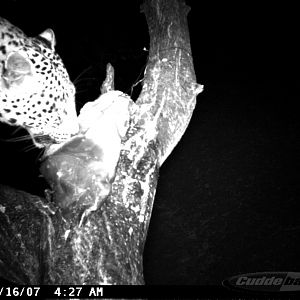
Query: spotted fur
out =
(35, 89)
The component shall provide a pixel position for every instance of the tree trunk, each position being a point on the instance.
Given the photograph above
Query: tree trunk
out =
(79, 234)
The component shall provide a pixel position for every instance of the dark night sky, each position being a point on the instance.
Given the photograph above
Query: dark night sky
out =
(227, 196)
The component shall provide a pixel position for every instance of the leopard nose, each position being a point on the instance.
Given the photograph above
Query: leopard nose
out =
(43, 139)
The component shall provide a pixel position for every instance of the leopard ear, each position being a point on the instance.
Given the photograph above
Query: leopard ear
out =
(49, 36)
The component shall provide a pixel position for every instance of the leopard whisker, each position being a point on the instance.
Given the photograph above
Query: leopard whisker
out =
(17, 130)
(29, 148)
(17, 139)
(80, 74)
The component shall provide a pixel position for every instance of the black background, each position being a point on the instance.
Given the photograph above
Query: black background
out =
(227, 199)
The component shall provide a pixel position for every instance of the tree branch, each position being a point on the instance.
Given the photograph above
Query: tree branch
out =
(169, 91)
(94, 225)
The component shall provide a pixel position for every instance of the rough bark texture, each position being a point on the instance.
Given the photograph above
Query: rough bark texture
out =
(94, 240)
(170, 88)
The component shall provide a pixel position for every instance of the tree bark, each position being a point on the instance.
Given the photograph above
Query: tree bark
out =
(78, 235)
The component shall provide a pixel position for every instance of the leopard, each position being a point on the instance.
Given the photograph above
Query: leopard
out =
(81, 152)
(36, 92)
